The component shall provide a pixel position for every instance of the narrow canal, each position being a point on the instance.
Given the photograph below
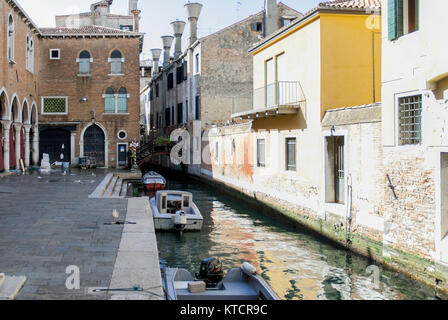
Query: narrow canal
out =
(298, 265)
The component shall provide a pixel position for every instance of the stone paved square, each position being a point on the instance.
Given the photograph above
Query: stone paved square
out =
(47, 223)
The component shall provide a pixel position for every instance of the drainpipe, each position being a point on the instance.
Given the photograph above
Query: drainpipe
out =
(167, 42)
(348, 216)
(178, 30)
(193, 13)
(155, 59)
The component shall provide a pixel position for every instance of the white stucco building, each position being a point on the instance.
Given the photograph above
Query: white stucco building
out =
(415, 123)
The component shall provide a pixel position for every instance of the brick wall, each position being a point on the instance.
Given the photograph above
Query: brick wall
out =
(15, 78)
(60, 78)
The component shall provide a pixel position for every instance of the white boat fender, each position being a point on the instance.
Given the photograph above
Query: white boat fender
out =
(249, 268)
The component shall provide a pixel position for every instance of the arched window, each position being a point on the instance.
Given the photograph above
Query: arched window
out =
(110, 100)
(116, 60)
(84, 62)
(122, 106)
(10, 38)
(29, 54)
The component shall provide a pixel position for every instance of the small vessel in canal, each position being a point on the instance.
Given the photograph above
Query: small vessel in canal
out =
(153, 182)
(210, 283)
(175, 210)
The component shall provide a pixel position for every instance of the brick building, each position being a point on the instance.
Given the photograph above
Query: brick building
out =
(89, 86)
(82, 84)
(199, 83)
(19, 97)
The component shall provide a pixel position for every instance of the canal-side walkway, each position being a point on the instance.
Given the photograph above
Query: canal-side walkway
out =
(137, 261)
(48, 223)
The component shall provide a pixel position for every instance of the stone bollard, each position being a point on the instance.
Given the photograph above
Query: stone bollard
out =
(2, 279)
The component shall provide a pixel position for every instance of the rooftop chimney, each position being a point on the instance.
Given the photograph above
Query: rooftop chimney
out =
(133, 5)
(167, 42)
(271, 17)
(136, 14)
(178, 30)
(155, 59)
(193, 12)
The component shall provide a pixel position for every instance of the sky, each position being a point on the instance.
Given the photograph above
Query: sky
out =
(157, 14)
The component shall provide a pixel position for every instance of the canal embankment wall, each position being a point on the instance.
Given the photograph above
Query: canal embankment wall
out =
(387, 212)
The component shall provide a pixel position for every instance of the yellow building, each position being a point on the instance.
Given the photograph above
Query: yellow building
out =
(311, 144)
(330, 58)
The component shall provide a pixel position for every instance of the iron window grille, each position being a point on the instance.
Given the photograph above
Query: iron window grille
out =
(410, 117)
(54, 105)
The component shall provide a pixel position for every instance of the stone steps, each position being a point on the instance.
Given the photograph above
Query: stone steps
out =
(111, 187)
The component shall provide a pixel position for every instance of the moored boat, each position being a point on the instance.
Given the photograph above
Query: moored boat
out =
(175, 210)
(210, 284)
(153, 182)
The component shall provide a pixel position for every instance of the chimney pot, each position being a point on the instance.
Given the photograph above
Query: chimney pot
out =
(193, 13)
(155, 59)
(167, 42)
(178, 30)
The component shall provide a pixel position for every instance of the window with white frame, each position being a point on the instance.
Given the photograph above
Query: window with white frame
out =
(55, 54)
(116, 63)
(410, 120)
(403, 17)
(84, 61)
(54, 105)
(291, 164)
(261, 152)
(10, 38)
(197, 62)
(29, 53)
(116, 103)
(216, 152)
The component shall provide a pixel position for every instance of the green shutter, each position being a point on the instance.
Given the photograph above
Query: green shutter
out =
(400, 9)
(395, 19)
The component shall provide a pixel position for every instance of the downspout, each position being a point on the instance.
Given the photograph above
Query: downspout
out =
(348, 216)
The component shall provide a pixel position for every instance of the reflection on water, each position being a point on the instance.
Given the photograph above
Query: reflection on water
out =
(296, 264)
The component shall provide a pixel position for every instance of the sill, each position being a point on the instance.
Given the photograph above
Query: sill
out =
(55, 114)
(116, 74)
(116, 114)
(84, 75)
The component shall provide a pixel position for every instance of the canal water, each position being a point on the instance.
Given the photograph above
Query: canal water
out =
(297, 264)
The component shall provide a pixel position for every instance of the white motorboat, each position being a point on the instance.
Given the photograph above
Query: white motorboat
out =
(175, 210)
(210, 284)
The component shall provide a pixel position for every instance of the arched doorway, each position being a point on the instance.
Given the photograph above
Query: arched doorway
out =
(94, 144)
(55, 142)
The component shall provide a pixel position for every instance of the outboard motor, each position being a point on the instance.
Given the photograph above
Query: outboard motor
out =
(211, 272)
(180, 221)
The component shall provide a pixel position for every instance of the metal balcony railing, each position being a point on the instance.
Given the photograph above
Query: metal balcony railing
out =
(278, 94)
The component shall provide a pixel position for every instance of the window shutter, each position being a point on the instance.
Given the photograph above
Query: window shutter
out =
(399, 13)
(395, 19)
(417, 14)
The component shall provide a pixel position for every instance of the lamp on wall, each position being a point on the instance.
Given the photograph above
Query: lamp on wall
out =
(83, 100)
(333, 131)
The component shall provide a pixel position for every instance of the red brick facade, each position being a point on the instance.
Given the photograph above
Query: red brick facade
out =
(30, 75)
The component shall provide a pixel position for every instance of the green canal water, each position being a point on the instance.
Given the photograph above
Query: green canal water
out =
(297, 264)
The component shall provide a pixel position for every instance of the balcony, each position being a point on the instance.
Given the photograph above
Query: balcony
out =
(280, 98)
